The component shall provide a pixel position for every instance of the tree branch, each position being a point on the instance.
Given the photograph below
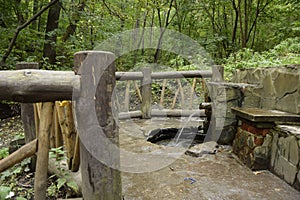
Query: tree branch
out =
(21, 27)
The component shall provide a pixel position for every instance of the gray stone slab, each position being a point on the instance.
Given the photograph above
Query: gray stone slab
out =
(260, 115)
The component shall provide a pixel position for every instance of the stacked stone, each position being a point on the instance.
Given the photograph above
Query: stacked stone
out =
(252, 144)
(285, 154)
(224, 96)
(272, 91)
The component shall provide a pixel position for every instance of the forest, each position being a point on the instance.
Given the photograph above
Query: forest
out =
(236, 33)
(232, 33)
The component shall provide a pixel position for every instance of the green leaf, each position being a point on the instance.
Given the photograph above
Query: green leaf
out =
(61, 182)
(20, 198)
(4, 191)
(73, 186)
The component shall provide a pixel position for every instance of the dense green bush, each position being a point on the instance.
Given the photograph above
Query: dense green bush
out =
(285, 53)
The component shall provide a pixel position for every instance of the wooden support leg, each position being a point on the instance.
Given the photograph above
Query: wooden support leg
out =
(40, 181)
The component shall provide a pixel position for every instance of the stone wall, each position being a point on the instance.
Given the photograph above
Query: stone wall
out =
(269, 145)
(224, 96)
(252, 145)
(285, 153)
(277, 88)
(276, 149)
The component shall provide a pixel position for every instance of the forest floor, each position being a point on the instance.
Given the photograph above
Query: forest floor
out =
(173, 174)
(17, 182)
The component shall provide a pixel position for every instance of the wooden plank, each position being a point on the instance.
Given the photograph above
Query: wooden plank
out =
(99, 139)
(66, 122)
(30, 86)
(76, 156)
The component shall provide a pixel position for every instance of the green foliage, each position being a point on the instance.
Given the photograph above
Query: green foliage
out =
(60, 183)
(4, 191)
(211, 23)
(285, 53)
(3, 152)
(8, 180)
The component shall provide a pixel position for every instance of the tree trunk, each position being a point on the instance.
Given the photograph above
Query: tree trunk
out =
(50, 37)
(74, 20)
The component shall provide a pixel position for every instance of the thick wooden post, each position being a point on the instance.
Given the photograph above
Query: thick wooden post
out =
(217, 76)
(217, 73)
(27, 114)
(99, 140)
(146, 93)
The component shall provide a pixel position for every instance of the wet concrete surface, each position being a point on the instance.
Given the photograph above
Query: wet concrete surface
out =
(153, 171)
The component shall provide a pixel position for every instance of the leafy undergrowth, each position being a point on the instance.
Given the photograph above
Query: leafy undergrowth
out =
(17, 183)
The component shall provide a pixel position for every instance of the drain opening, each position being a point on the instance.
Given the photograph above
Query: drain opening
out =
(180, 137)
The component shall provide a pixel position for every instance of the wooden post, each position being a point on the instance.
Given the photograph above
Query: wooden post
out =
(99, 139)
(126, 101)
(40, 180)
(67, 126)
(217, 76)
(137, 89)
(182, 101)
(27, 115)
(192, 93)
(217, 73)
(146, 93)
(162, 94)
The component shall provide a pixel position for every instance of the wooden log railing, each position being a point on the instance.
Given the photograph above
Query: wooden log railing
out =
(31, 86)
(51, 120)
(144, 95)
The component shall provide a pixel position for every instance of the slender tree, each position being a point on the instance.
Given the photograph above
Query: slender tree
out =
(51, 35)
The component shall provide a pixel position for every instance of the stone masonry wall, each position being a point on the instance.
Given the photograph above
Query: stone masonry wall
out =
(277, 87)
(285, 153)
(252, 145)
(276, 149)
(224, 96)
(266, 146)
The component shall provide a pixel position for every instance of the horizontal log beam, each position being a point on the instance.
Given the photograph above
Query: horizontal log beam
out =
(122, 76)
(177, 113)
(30, 86)
(131, 114)
(163, 113)
(25, 151)
(182, 74)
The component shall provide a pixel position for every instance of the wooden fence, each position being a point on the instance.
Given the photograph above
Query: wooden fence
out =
(144, 91)
(52, 124)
